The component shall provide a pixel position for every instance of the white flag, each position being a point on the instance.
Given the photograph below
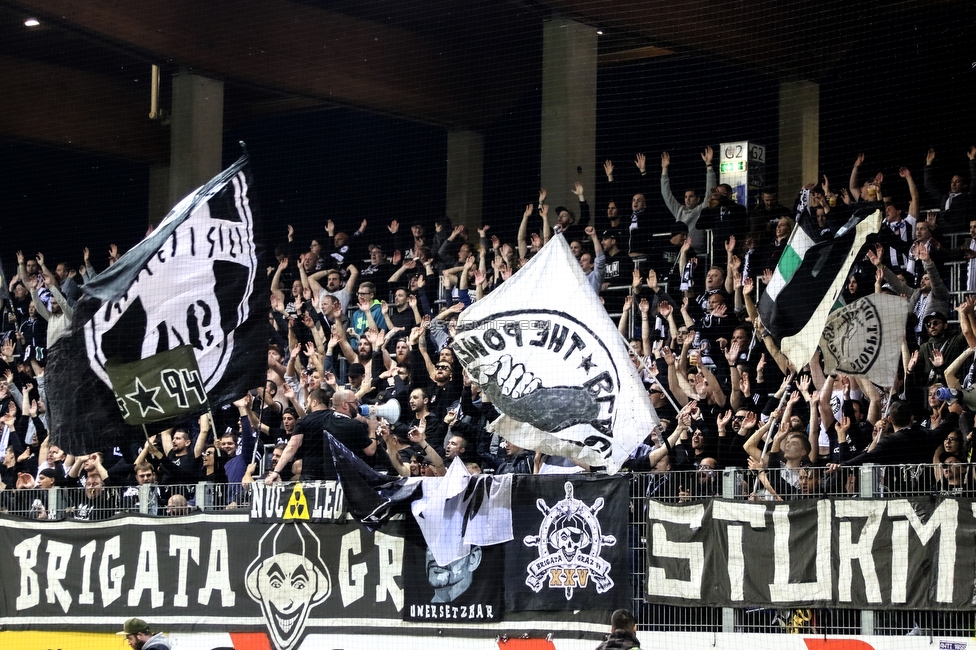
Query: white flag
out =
(458, 511)
(547, 354)
(864, 338)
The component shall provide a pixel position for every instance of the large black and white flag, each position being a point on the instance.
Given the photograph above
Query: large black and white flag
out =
(544, 349)
(194, 281)
(807, 283)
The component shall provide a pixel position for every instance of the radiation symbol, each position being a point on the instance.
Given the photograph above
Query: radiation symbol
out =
(297, 507)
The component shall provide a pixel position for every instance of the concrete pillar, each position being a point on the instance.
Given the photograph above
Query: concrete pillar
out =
(799, 135)
(465, 167)
(196, 133)
(569, 58)
(159, 203)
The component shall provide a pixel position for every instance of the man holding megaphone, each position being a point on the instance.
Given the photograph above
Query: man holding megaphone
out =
(346, 424)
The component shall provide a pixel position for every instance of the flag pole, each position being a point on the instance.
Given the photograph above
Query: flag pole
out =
(773, 428)
(657, 382)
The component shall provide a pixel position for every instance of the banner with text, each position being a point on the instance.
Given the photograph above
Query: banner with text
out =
(854, 553)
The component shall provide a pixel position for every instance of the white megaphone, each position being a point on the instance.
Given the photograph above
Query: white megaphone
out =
(390, 411)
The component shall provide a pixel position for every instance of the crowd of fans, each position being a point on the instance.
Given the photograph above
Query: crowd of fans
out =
(366, 317)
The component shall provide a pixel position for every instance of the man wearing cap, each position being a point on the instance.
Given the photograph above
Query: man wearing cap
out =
(378, 272)
(949, 345)
(136, 631)
(357, 383)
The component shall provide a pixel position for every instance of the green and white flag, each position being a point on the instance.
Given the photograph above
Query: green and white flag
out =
(806, 284)
(166, 385)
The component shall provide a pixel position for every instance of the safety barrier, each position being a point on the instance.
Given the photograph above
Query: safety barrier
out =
(670, 487)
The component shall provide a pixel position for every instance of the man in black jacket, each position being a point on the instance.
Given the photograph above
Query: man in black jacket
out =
(623, 632)
(907, 444)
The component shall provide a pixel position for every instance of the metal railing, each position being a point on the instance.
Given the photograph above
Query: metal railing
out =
(670, 487)
(82, 504)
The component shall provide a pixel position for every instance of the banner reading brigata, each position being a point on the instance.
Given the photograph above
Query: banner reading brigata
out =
(852, 553)
(225, 573)
(295, 563)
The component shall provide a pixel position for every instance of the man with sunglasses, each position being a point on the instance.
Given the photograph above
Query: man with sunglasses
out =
(950, 345)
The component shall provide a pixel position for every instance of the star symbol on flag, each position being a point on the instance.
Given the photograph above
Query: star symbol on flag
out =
(587, 363)
(145, 398)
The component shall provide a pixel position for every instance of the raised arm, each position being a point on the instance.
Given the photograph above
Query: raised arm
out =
(677, 391)
(827, 413)
(645, 311)
(339, 334)
(428, 362)
(276, 279)
(927, 181)
(715, 391)
(773, 348)
(965, 311)
(625, 315)
(523, 231)
(710, 179)
(732, 264)
(752, 444)
(202, 439)
(874, 401)
(394, 456)
(952, 372)
(673, 204)
(915, 203)
(853, 186)
(418, 436)
(166, 437)
(939, 290)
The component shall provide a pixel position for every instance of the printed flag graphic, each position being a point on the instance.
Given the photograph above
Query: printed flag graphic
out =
(194, 281)
(865, 337)
(545, 351)
(806, 284)
(166, 385)
(570, 546)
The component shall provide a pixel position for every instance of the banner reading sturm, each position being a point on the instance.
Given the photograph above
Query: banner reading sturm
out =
(850, 553)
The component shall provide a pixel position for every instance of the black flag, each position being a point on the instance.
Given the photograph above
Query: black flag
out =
(195, 281)
(166, 385)
(570, 547)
